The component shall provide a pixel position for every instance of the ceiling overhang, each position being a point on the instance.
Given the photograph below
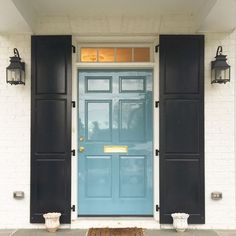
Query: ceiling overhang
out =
(120, 18)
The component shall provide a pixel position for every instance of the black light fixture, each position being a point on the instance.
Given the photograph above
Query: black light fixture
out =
(15, 72)
(220, 69)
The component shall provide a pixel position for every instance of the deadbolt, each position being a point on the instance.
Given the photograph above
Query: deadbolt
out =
(81, 149)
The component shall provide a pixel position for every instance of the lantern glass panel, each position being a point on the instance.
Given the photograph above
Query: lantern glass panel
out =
(15, 76)
(221, 74)
(227, 73)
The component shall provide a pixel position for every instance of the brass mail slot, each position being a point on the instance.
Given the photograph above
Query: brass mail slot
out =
(115, 149)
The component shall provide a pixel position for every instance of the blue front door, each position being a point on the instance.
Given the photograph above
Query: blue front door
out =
(115, 165)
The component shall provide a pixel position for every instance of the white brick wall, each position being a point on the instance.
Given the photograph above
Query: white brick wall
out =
(15, 137)
(219, 136)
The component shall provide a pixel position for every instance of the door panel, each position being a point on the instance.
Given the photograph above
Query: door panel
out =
(182, 65)
(50, 126)
(115, 130)
(185, 191)
(98, 120)
(132, 176)
(98, 84)
(182, 125)
(132, 120)
(52, 64)
(98, 176)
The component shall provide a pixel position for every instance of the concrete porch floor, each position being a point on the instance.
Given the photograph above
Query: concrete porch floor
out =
(81, 232)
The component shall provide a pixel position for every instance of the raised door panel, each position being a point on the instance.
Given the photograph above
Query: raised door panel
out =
(183, 188)
(132, 126)
(182, 65)
(182, 126)
(48, 173)
(98, 177)
(98, 120)
(132, 176)
(50, 130)
(51, 73)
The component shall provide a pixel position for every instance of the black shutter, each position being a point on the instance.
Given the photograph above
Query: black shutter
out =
(50, 127)
(182, 127)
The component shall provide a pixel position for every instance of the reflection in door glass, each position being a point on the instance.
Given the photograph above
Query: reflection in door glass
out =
(132, 118)
(132, 84)
(98, 121)
(98, 84)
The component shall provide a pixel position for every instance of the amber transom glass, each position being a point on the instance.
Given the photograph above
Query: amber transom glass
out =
(115, 54)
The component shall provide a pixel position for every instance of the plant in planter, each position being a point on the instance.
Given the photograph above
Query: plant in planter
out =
(52, 221)
(180, 221)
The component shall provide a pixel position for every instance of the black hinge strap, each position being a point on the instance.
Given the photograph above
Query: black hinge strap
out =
(73, 152)
(73, 208)
(157, 208)
(157, 152)
(73, 48)
(73, 104)
(157, 48)
(156, 103)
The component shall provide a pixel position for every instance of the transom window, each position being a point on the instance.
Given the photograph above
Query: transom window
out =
(115, 54)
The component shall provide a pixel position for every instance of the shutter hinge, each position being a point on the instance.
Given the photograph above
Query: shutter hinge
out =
(73, 152)
(157, 48)
(73, 48)
(157, 152)
(73, 104)
(157, 208)
(156, 103)
(73, 208)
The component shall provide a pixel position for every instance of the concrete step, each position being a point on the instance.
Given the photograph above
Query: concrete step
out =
(82, 232)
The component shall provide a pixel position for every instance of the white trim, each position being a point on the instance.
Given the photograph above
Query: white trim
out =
(116, 45)
(74, 144)
(152, 222)
(132, 39)
(135, 65)
(156, 182)
(115, 222)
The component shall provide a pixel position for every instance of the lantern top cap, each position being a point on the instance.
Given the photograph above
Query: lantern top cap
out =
(220, 60)
(16, 56)
(16, 53)
(219, 54)
(219, 51)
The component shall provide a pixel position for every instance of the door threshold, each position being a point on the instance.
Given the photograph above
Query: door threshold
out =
(115, 222)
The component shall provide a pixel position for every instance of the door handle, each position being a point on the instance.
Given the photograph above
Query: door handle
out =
(81, 149)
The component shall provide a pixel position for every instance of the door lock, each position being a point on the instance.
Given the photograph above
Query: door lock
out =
(81, 149)
(81, 138)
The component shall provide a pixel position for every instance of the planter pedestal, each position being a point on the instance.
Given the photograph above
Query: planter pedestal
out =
(180, 221)
(52, 221)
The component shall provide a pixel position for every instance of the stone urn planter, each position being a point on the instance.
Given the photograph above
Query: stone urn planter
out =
(180, 221)
(52, 221)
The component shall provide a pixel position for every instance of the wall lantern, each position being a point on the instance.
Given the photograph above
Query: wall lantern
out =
(220, 70)
(15, 72)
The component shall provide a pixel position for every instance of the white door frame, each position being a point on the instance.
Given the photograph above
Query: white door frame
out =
(152, 222)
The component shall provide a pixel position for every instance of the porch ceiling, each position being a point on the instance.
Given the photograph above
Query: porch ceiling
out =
(123, 17)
